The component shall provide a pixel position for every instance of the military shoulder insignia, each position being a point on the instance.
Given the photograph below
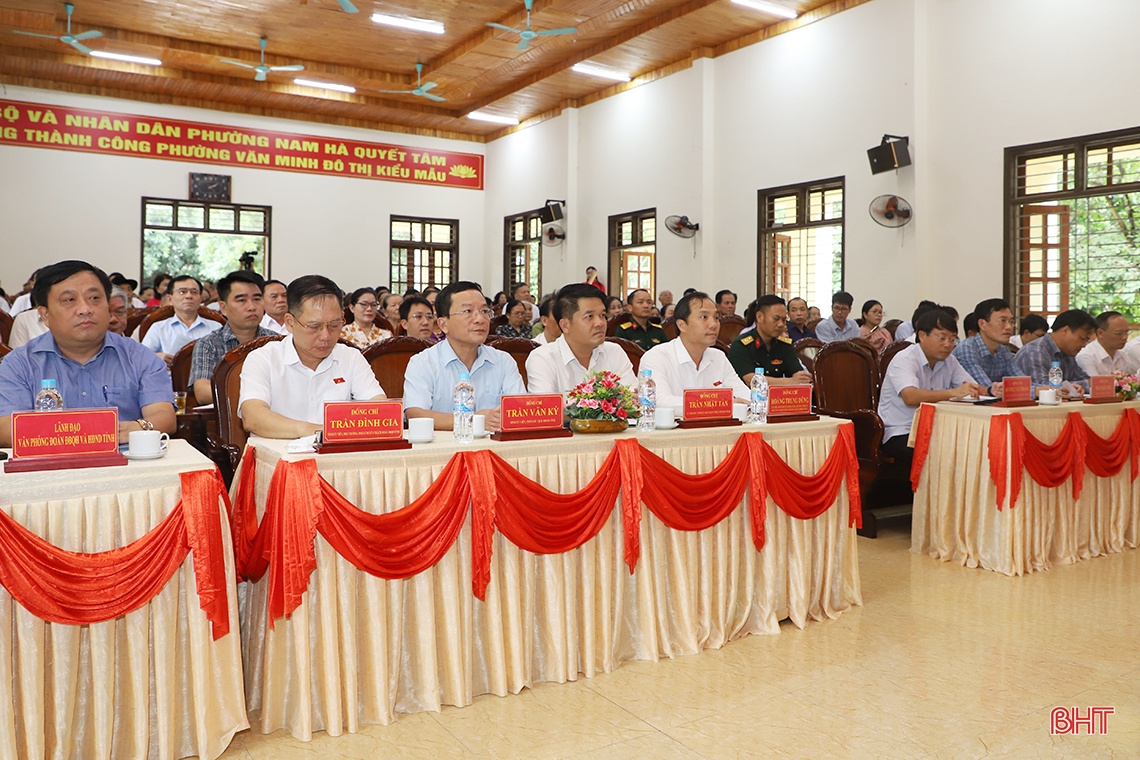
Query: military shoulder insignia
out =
(627, 325)
(784, 338)
(746, 340)
(656, 340)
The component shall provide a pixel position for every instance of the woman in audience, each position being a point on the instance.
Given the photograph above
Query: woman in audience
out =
(614, 306)
(668, 312)
(390, 307)
(361, 331)
(872, 328)
(146, 295)
(518, 320)
(161, 280)
(499, 302)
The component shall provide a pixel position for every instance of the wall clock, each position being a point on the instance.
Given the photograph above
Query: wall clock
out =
(210, 187)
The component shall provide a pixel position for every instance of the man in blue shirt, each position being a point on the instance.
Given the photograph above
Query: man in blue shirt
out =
(838, 326)
(431, 376)
(1072, 331)
(92, 367)
(986, 356)
(798, 319)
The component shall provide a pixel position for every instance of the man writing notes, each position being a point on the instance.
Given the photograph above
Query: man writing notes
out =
(691, 362)
(1072, 330)
(986, 356)
(1105, 355)
(924, 373)
(93, 368)
(285, 384)
(560, 366)
(431, 376)
(167, 337)
(639, 329)
(766, 345)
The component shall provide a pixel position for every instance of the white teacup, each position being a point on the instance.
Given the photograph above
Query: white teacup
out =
(147, 443)
(421, 429)
(1047, 396)
(665, 417)
(479, 425)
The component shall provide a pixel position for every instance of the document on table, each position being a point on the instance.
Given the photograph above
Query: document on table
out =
(979, 400)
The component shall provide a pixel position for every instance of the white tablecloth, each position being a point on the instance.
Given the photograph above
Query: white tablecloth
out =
(150, 684)
(360, 649)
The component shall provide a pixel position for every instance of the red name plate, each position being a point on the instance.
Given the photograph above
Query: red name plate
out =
(81, 432)
(1102, 386)
(522, 413)
(1017, 389)
(363, 421)
(789, 399)
(708, 404)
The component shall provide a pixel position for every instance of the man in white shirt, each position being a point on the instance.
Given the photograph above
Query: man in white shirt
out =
(167, 337)
(691, 361)
(924, 373)
(24, 302)
(285, 384)
(1131, 351)
(276, 302)
(1106, 355)
(520, 291)
(28, 324)
(550, 330)
(560, 366)
(838, 326)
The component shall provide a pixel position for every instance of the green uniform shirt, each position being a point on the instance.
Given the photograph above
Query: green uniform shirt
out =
(747, 353)
(647, 338)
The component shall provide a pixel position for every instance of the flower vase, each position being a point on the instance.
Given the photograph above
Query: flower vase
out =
(598, 426)
(1126, 395)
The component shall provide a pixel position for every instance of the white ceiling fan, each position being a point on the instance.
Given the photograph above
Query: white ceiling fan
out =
(528, 34)
(421, 90)
(75, 40)
(263, 70)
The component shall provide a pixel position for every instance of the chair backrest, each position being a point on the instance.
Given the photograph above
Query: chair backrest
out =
(730, 326)
(889, 353)
(846, 376)
(135, 318)
(389, 360)
(632, 350)
(496, 322)
(4, 350)
(227, 393)
(518, 348)
(384, 324)
(670, 328)
(166, 312)
(613, 324)
(890, 326)
(5, 327)
(806, 350)
(722, 346)
(180, 367)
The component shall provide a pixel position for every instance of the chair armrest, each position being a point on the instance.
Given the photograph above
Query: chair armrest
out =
(868, 433)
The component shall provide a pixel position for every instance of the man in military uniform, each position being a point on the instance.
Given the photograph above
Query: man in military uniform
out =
(768, 346)
(639, 329)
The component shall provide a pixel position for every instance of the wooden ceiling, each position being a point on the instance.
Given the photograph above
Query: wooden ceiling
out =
(475, 67)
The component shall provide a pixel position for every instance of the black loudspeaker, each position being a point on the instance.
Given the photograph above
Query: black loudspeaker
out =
(551, 212)
(890, 155)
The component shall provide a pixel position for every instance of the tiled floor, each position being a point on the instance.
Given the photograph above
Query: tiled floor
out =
(941, 662)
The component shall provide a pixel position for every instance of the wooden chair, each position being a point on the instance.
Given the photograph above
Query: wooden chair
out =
(889, 353)
(730, 326)
(806, 350)
(632, 350)
(890, 326)
(518, 348)
(135, 318)
(4, 350)
(5, 327)
(670, 328)
(846, 377)
(722, 346)
(180, 369)
(166, 312)
(613, 324)
(496, 322)
(389, 361)
(384, 324)
(227, 448)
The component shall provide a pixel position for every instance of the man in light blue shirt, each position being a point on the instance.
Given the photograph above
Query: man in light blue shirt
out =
(431, 376)
(986, 356)
(838, 326)
(93, 367)
(168, 336)
(1072, 331)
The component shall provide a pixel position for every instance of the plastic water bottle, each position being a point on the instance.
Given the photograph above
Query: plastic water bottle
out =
(1055, 378)
(49, 398)
(463, 404)
(758, 399)
(646, 401)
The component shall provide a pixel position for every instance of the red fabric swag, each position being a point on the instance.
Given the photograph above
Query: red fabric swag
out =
(922, 434)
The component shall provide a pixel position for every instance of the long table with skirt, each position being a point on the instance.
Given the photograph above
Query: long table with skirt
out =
(153, 682)
(1017, 490)
(359, 649)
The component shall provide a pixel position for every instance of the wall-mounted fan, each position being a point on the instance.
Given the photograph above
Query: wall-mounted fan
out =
(421, 90)
(262, 70)
(891, 211)
(681, 226)
(528, 34)
(75, 40)
(553, 234)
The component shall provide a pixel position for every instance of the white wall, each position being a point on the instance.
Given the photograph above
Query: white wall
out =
(55, 205)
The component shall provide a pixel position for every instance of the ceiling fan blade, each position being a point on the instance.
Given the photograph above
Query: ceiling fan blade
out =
(524, 43)
(396, 92)
(294, 67)
(493, 26)
(429, 96)
(563, 30)
(89, 35)
(348, 7)
(428, 86)
(35, 34)
(239, 63)
(80, 47)
(260, 76)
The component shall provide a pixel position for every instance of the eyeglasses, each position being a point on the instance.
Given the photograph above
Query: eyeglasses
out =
(187, 292)
(946, 341)
(468, 313)
(368, 304)
(315, 327)
(423, 316)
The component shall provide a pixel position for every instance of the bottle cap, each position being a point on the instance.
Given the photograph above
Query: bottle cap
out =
(47, 384)
(759, 371)
(465, 376)
(647, 373)
(1056, 364)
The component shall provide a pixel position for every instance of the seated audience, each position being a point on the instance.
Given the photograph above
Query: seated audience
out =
(241, 305)
(1072, 330)
(614, 307)
(550, 330)
(838, 326)
(520, 291)
(797, 324)
(23, 301)
(970, 324)
(592, 279)
(923, 373)
(1033, 326)
(905, 330)
(667, 312)
(691, 361)
(725, 303)
(117, 305)
(416, 317)
(814, 315)
(430, 293)
(872, 329)
(363, 331)
(986, 356)
(285, 384)
(390, 307)
(92, 367)
(431, 377)
(26, 325)
(128, 286)
(560, 366)
(169, 335)
(275, 298)
(665, 298)
(639, 328)
(161, 282)
(146, 295)
(1105, 355)
(518, 320)
(766, 345)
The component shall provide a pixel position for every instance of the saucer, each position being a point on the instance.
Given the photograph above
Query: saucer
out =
(1050, 403)
(484, 434)
(667, 427)
(143, 457)
(420, 440)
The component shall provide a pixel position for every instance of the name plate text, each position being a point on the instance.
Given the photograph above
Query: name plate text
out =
(1017, 389)
(526, 412)
(708, 404)
(789, 399)
(363, 421)
(78, 432)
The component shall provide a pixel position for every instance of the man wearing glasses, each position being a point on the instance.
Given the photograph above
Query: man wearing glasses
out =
(285, 384)
(1105, 355)
(431, 376)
